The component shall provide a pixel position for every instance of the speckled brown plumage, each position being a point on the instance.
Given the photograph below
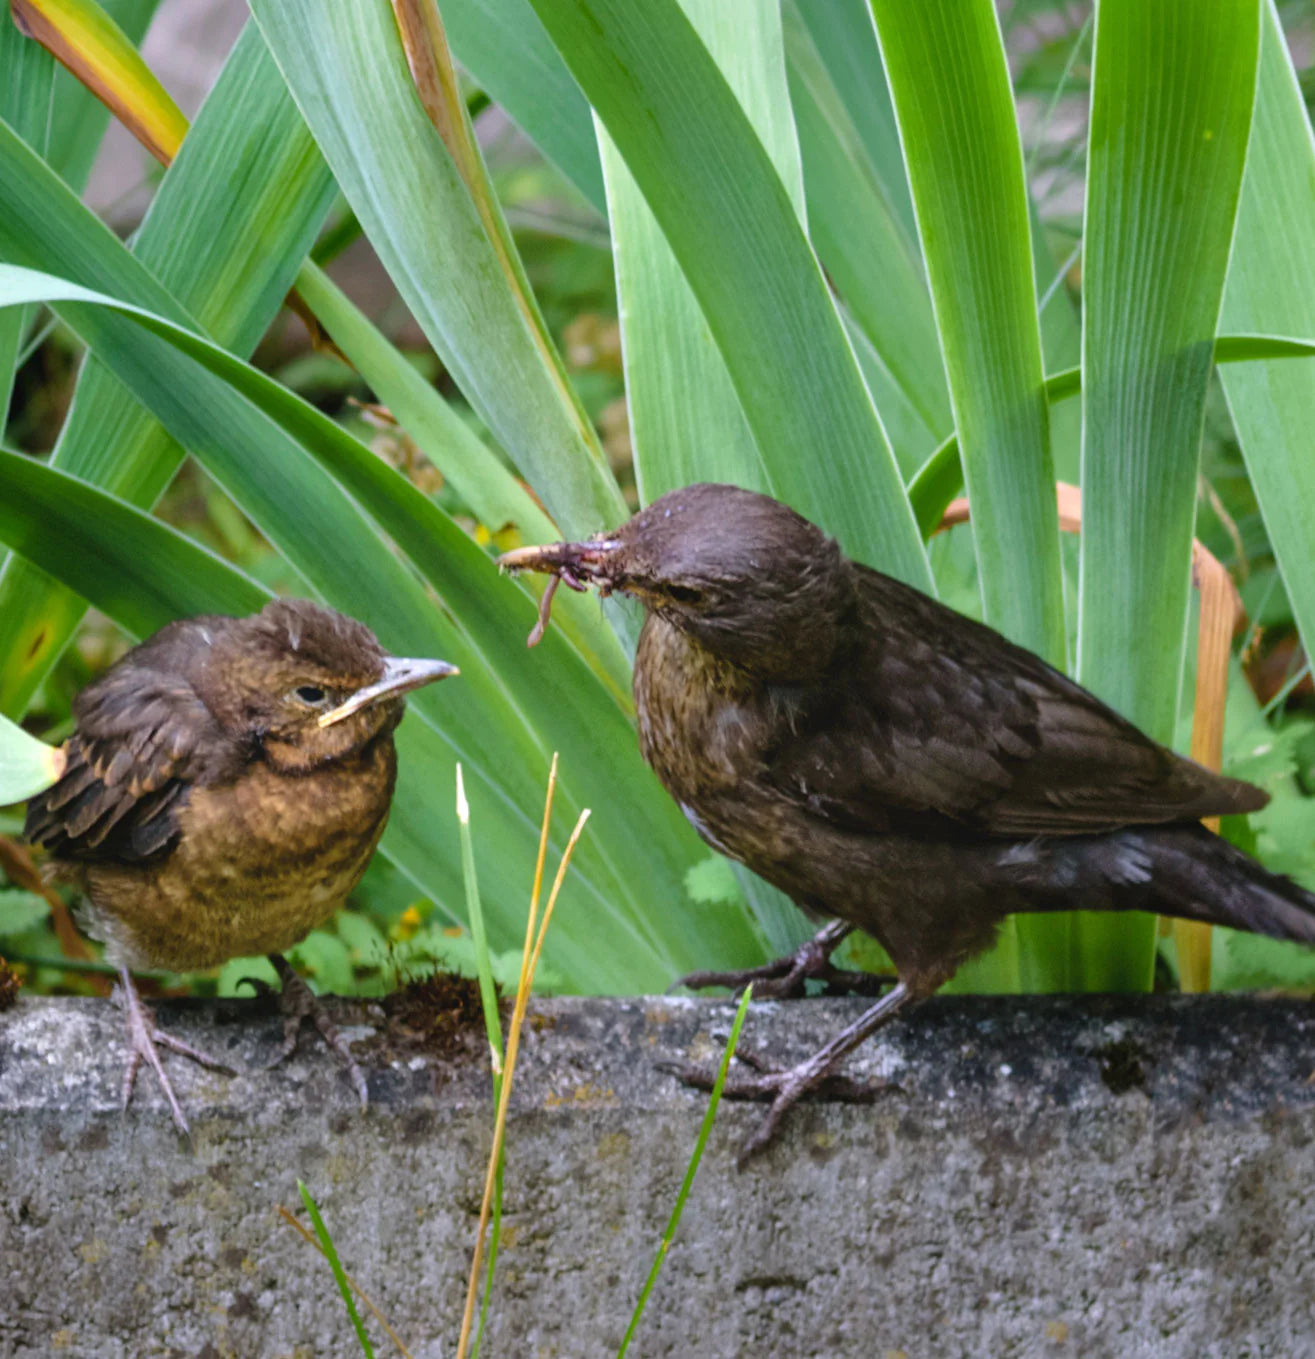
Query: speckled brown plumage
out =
(888, 762)
(226, 784)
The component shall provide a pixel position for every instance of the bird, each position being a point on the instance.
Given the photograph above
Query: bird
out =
(890, 764)
(224, 788)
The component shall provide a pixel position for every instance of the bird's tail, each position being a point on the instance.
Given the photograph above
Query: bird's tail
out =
(1197, 875)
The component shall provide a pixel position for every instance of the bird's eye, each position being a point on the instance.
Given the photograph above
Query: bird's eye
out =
(310, 693)
(684, 594)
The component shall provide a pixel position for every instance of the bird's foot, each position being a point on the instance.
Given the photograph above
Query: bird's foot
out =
(815, 1075)
(786, 978)
(299, 1003)
(144, 1042)
(781, 1087)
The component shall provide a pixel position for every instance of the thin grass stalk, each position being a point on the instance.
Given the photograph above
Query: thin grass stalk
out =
(488, 995)
(326, 1245)
(690, 1171)
(522, 988)
(356, 1288)
(513, 1047)
(488, 991)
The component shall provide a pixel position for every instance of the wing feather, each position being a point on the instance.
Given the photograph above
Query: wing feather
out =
(143, 737)
(939, 721)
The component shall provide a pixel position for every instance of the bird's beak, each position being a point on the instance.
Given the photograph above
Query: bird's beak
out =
(575, 564)
(399, 677)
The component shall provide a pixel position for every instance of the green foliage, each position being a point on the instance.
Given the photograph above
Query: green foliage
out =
(712, 882)
(828, 275)
(20, 911)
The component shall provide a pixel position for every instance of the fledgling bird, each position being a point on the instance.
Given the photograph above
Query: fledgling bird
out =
(892, 764)
(226, 784)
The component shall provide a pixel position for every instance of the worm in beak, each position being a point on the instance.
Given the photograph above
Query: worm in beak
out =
(576, 565)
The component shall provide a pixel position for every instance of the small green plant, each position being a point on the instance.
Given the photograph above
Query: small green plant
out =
(705, 1131)
(327, 1246)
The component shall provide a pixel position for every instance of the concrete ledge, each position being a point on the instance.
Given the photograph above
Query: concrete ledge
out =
(1058, 1177)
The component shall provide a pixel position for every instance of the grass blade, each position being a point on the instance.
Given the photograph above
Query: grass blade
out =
(89, 44)
(503, 45)
(686, 423)
(225, 234)
(940, 478)
(705, 1131)
(29, 75)
(352, 1284)
(869, 248)
(949, 82)
(345, 66)
(529, 963)
(1172, 95)
(945, 61)
(488, 991)
(340, 1278)
(1271, 287)
(733, 228)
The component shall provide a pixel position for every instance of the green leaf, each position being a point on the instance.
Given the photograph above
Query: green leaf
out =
(363, 938)
(236, 972)
(860, 218)
(327, 959)
(712, 881)
(27, 766)
(503, 45)
(734, 230)
(940, 478)
(1172, 95)
(225, 234)
(482, 480)
(20, 911)
(77, 118)
(29, 73)
(949, 81)
(1248, 962)
(261, 463)
(345, 67)
(139, 571)
(1271, 287)
(686, 423)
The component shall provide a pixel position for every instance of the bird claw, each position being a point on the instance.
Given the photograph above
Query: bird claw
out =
(299, 1003)
(144, 1040)
(782, 1087)
(786, 978)
(260, 988)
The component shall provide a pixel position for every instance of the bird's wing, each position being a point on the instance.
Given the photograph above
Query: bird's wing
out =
(938, 720)
(143, 738)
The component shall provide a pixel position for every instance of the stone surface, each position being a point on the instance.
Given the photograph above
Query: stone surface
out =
(1093, 1177)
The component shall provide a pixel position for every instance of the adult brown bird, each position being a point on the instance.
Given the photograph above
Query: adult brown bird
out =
(225, 787)
(890, 763)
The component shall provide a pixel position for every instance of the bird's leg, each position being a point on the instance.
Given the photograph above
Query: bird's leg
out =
(784, 978)
(786, 1088)
(298, 1003)
(143, 1040)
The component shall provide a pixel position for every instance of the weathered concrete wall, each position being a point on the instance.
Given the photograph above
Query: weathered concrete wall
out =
(1092, 1178)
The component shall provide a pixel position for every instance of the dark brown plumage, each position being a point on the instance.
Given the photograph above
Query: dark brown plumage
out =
(888, 762)
(225, 787)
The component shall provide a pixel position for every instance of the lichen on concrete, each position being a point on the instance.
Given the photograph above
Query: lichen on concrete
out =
(1044, 1177)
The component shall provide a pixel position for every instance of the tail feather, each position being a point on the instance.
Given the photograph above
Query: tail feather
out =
(1199, 876)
